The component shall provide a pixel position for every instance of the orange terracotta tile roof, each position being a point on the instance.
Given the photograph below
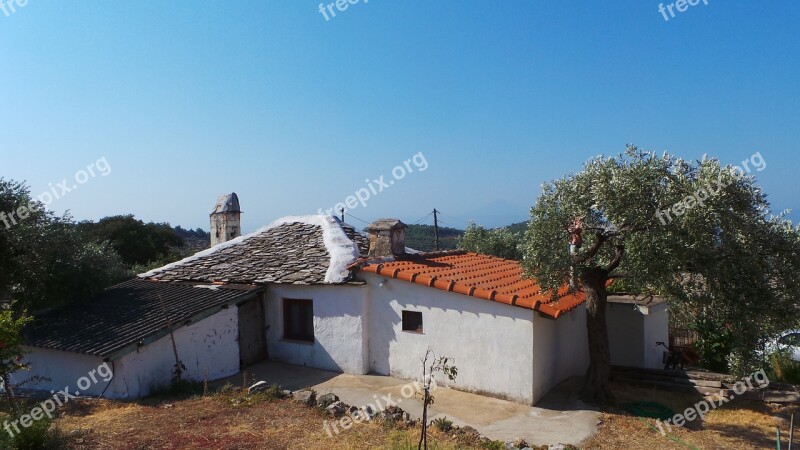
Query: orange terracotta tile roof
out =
(482, 276)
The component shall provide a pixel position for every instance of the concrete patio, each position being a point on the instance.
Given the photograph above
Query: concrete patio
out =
(560, 418)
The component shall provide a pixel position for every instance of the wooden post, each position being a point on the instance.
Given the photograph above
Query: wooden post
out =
(791, 432)
(778, 438)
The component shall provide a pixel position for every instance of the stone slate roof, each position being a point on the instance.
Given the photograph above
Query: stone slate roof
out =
(112, 324)
(361, 241)
(290, 253)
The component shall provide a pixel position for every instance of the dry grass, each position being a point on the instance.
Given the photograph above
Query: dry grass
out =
(216, 422)
(225, 421)
(739, 424)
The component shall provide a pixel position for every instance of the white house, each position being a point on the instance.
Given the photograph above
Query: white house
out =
(312, 291)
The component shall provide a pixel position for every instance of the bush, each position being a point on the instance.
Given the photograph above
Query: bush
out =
(41, 435)
(442, 424)
(785, 369)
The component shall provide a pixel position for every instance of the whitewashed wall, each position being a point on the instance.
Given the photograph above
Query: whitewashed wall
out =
(656, 329)
(339, 338)
(491, 342)
(560, 350)
(63, 369)
(211, 344)
(625, 334)
(633, 332)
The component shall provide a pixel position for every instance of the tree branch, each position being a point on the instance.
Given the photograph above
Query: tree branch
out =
(599, 240)
(619, 250)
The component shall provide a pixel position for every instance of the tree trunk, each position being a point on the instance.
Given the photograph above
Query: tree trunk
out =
(596, 386)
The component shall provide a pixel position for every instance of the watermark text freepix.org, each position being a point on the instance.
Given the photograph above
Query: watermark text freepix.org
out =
(57, 191)
(366, 412)
(60, 398)
(378, 185)
(681, 6)
(340, 5)
(703, 407)
(9, 7)
(699, 197)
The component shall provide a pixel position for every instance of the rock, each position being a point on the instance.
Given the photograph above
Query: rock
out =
(326, 400)
(308, 398)
(286, 393)
(352, 409)
(391, 409)
(557, 447)
(469, 431)
(336, 409)
(520, 443)
(258, 387)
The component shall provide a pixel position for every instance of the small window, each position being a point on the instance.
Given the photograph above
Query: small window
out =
(412, 321)
(298, 320)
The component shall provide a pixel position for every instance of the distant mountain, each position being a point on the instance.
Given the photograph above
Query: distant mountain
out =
(423, 238)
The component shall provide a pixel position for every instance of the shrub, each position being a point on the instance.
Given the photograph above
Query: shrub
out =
(41, 435)
(442, 424)
(784, 368)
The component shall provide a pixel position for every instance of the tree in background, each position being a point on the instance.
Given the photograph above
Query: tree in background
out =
(697, 232)
(44, 261)
(138, 243)
(500, 242)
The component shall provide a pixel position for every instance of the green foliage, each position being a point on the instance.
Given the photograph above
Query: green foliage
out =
(44, 261)
(493, 445)
(422, 237)
(135, 241)
(500, 242)
(41, 435)
(725, 256)
(783, 368)
(714, 343)
(11, 341)
(442, 424)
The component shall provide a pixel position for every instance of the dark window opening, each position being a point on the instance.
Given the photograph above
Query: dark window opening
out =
(298, 320)
(412, 321)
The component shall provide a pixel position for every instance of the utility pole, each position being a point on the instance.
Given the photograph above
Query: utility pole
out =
(342, 215)
(436, 227)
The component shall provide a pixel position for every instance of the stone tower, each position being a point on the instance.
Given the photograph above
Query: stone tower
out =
(225, 219)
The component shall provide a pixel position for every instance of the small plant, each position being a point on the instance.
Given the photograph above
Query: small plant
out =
(431, 365)
(494, 445)
(40, 435)
(442, 424)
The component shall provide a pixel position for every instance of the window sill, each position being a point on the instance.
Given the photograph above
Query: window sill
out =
(413, 332)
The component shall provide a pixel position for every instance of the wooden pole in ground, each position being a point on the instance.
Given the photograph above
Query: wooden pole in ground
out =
(791, 432)
(778, 438)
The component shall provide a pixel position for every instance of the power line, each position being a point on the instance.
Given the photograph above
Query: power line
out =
(420, 220)
(354, 217)
(456, 218)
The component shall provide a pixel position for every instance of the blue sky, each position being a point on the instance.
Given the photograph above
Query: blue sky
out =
(189, 100)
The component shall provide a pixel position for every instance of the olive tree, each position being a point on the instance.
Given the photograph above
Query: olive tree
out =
(696, 231)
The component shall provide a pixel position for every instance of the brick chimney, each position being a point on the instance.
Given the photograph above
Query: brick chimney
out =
(387, 238)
